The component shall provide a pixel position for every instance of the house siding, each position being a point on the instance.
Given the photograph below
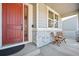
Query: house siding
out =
(69, 27)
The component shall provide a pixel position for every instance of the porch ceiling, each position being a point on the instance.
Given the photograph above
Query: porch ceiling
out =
(64, 9)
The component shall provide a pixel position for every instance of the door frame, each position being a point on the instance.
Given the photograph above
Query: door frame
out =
(30, 19)
(0, 25)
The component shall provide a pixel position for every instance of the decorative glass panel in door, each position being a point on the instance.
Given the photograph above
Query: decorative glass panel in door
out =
(12, 23)
(25, 23)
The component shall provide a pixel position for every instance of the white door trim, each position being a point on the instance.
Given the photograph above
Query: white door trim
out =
(0, 25)
(30, 21)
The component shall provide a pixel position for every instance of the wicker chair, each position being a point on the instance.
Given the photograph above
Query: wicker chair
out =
(58, 38)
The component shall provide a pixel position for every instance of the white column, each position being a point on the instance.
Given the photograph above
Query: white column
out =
(30, 21)
(0, 25)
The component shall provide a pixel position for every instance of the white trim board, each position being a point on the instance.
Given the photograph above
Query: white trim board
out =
(9, 46)
(46, 29)
(30, 14)
(30, 20)
(0, 25)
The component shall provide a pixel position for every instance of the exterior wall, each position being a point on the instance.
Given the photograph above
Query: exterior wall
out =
(0, 25)
(34, 34)
(43, 38)
(30, 21)
(39, 21)
(42, 16)
(78, 19)
(41, 33)
(69, 26)
(60, 23)
(34, 16)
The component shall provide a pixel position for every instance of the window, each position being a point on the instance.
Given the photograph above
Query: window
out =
(52, 19)
(56, 21)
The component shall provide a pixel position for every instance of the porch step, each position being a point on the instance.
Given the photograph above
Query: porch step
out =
(29, 50)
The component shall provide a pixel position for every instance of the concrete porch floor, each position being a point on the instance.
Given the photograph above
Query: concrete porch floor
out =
(29, 50)
(71, 48)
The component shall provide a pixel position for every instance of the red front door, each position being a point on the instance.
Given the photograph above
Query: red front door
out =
(12, 23)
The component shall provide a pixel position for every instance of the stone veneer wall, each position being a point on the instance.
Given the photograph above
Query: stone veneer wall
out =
(43, 38)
